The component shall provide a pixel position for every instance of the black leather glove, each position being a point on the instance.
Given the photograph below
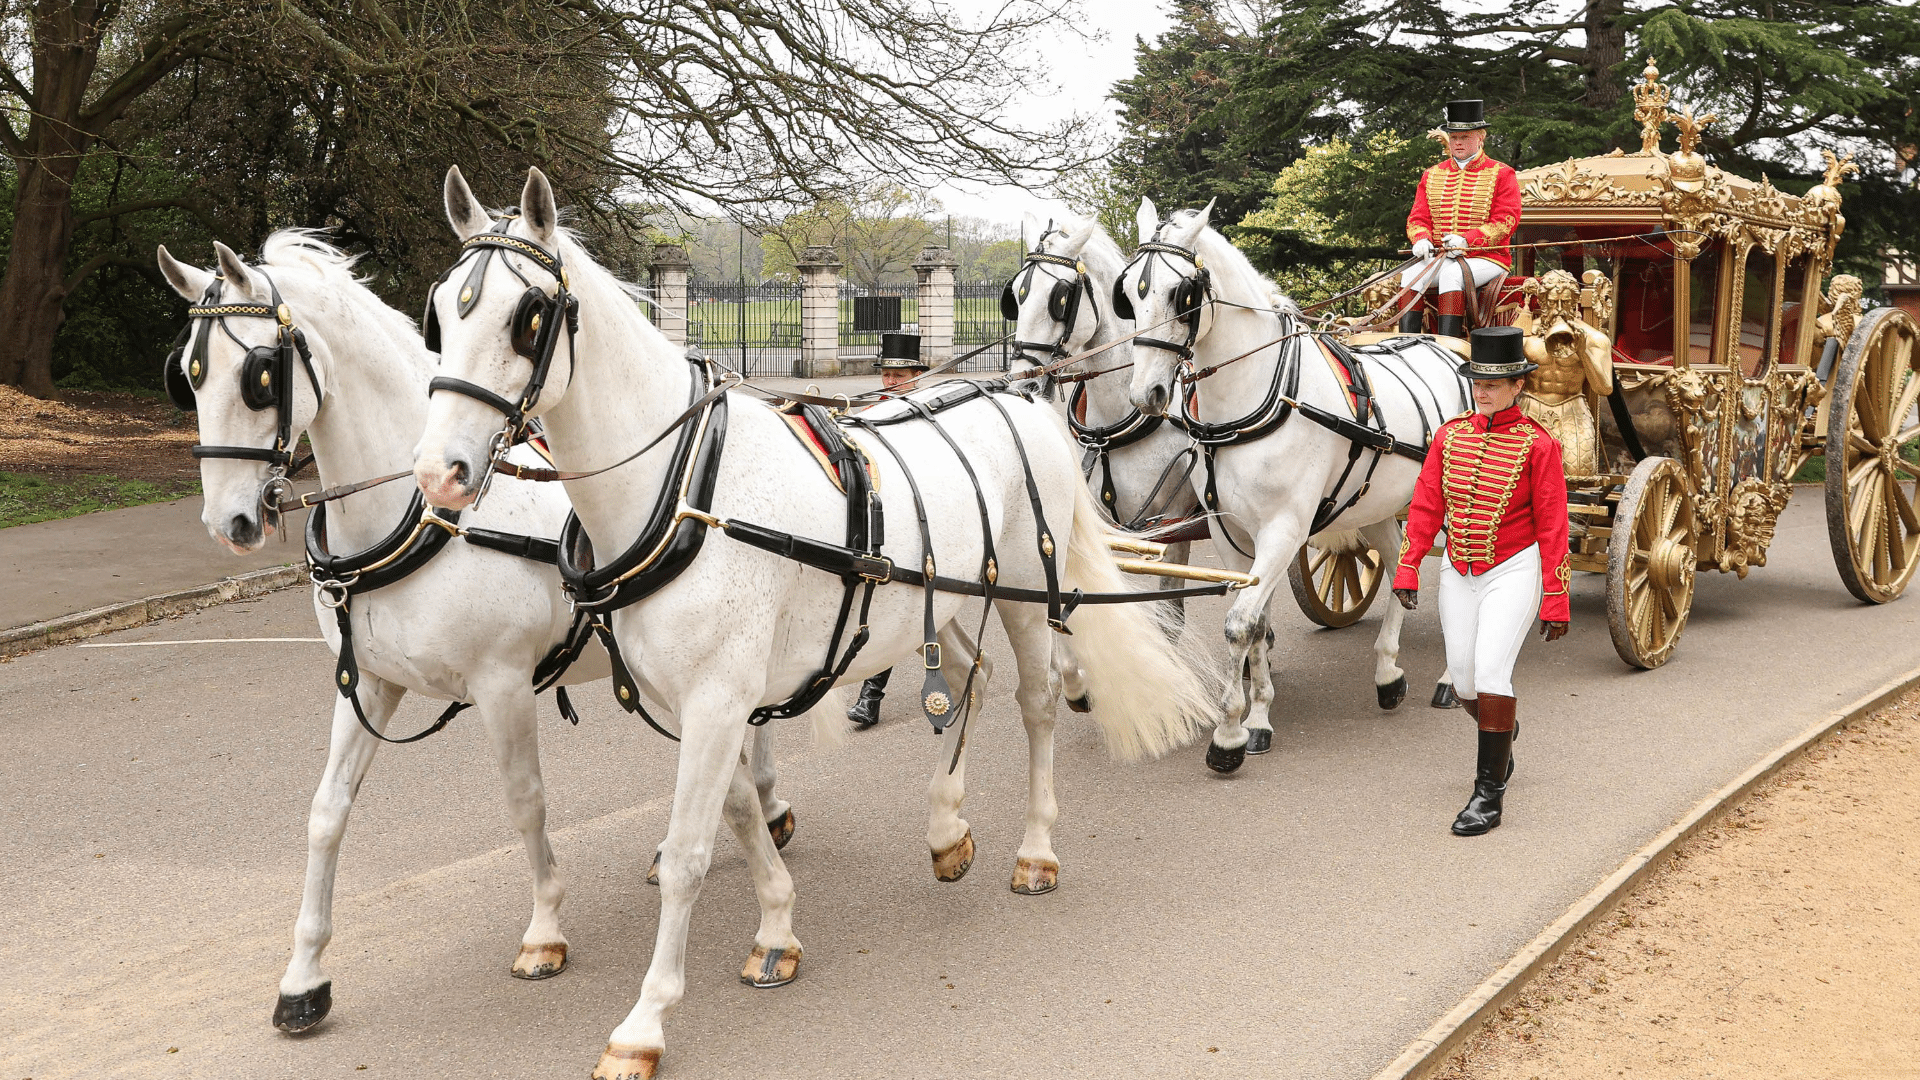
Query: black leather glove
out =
(1409, 598)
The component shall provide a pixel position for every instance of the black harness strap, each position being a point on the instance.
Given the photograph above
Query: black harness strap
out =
(936, 695)
(866, 532)
(1057, 611)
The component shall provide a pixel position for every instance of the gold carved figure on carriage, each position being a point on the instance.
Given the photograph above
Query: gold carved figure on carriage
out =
(1576, 362)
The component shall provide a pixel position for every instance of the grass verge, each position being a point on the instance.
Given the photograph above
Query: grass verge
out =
(25, 499)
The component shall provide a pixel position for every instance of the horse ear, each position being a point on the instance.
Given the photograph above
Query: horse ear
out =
(537, 208)
(234, 269)
(189, 281)
(1146, 219)
(1029, 229)
(464, 212)
(1077, 238)
(1205, 216)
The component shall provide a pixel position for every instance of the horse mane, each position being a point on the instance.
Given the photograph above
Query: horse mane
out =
(309, 250)
(1234, 278)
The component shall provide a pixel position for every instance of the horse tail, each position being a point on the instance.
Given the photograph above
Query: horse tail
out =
(1149, 695)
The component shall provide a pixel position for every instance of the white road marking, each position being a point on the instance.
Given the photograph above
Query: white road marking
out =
(191, 641)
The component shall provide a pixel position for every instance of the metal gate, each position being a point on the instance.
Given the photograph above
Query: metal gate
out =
(755, 328)
(976, 321)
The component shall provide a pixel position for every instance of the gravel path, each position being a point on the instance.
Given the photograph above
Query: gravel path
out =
(1779, 944)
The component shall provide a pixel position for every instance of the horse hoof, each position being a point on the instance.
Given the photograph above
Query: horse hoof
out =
(953, 863)
(301, 1012)
(653, 871)
(540, 961)
(1444, 697)
(781, 828)
(1031, 877)
(768, 968)
(1083, 703)
(1225, 761)
(617, 1064)
(1259, 740)
(1392, 694)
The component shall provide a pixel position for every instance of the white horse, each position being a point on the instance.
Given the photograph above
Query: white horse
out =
(1271, 489)
(1139, 467)
(469, 625)
(739, 628)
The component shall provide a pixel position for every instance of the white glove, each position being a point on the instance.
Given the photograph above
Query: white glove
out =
(1422, 248)
(1454, 242)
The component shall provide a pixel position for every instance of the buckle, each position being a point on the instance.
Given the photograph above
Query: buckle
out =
(930, 655)
(885, 576)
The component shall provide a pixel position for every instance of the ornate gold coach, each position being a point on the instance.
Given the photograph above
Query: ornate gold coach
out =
(1692, 364)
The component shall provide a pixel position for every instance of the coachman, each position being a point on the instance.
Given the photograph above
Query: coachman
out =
(1468, 205)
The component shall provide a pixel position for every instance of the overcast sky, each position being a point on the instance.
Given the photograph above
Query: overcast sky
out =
(1083, 71)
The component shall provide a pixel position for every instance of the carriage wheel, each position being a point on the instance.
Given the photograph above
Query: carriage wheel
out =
(1650, 562)
(1870, 486)
(1335, 588)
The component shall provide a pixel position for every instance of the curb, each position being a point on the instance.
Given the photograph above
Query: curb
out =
(105, 620)
(1430, 1051)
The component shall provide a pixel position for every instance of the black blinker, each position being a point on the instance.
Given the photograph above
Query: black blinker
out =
(260, 378)
(1060, 300)
(530, 317)
(1122, 306)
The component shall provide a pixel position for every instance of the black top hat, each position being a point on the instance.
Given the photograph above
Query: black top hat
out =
(1468, 115)
(1497, 354)
(901, 351)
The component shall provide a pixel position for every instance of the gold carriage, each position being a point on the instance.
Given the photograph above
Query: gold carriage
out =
(1691, 365)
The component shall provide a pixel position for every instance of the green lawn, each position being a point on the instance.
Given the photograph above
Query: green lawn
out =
(27, 499)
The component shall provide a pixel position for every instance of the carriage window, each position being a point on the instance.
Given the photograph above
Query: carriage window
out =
(1703, 289)
(1643, 309)
(1756, 314)
(1793, 297)
(1534, 262)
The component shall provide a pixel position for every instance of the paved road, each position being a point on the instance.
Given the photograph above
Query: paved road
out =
(1304, 918)
(54, 568)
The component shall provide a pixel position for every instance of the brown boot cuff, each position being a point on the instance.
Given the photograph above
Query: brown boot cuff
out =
(1496, 712)
(1452, 303)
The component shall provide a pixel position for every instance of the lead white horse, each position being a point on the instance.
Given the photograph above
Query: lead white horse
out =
(1270, 489)
(739, 628)
(470, 625)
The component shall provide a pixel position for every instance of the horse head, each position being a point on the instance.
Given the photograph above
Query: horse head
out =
(1052, 302)
(1166, 291)
(236, 367)
(498, 318)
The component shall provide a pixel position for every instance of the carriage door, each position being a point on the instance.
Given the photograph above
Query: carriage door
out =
(1753, 335)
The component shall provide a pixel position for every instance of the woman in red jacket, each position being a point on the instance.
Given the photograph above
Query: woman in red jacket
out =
(1493, 480)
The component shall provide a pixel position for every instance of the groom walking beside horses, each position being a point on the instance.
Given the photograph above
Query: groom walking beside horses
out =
(1469, 204)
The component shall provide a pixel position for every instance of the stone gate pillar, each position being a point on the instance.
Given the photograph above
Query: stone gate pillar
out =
(935, 268)
(819, 314)
(669, 272)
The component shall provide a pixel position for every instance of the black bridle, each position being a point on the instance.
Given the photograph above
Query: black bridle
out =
(1063, 301)
(266, 377)
(1191, 294)
(534, 328)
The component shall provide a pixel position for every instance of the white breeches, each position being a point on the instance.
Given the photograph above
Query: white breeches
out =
(1486, 619)
(1449, 279)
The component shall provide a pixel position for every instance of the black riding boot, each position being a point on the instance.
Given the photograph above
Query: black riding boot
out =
(866, 711)
(1411, 320)
(1452, 326)
(1495, 766)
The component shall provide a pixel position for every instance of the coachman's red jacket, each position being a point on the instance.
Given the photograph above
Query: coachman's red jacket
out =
(1480, 202)
(1497, 486)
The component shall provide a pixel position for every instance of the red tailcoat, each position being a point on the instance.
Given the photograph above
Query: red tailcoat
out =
(1497, 486)
(1480, 202)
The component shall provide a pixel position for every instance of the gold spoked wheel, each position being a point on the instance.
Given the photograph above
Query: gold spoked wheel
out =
(1335, 588)
(1870, 445)
(1650, 563)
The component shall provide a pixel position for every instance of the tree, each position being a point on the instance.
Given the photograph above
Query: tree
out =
(1796, 75)
(875, 236)
(1094, 191)
(686, 101)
